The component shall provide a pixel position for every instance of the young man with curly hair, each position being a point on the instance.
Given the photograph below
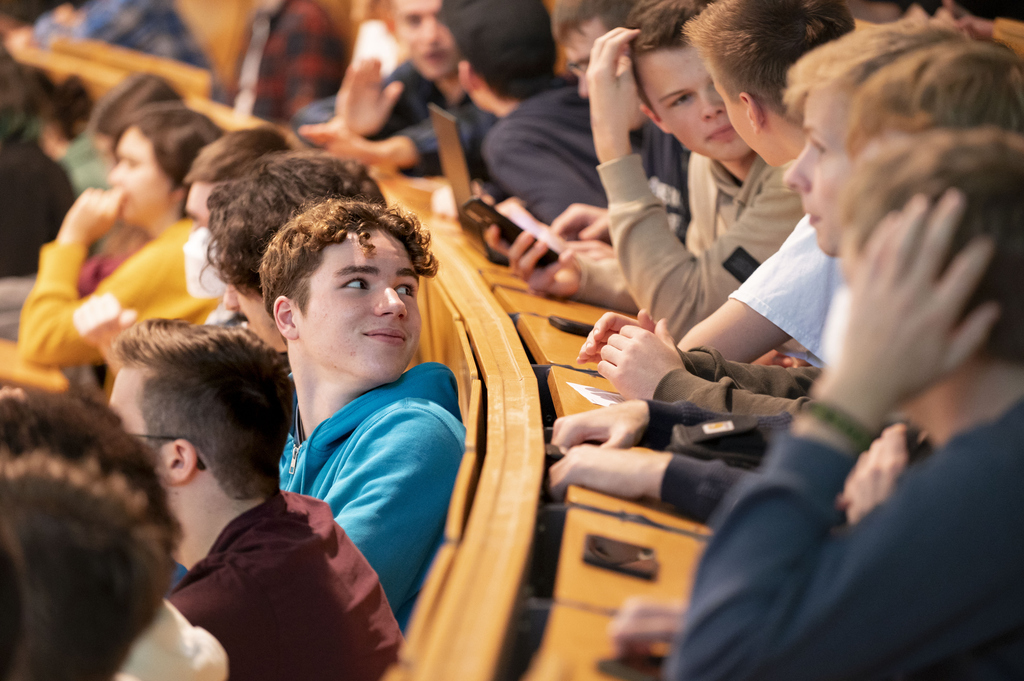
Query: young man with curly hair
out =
(378, 443)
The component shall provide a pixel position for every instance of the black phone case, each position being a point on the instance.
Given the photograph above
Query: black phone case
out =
(485, 216)
(570, 326)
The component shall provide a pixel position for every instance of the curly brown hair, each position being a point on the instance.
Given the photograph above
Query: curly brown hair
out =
(245, 214)
(297, 249)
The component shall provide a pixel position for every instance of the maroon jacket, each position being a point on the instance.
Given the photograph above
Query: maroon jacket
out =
(289, 596)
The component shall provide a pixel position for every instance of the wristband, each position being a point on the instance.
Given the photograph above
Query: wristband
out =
(849, 427)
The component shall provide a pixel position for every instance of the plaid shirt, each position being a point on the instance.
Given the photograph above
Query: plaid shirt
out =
(151, 26)
(304, 60)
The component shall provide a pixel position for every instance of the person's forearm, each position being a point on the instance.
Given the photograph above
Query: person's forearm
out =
(737, 331)
(398, 152)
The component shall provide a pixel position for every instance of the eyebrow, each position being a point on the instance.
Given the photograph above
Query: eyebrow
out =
(408, 272)
(357, 269)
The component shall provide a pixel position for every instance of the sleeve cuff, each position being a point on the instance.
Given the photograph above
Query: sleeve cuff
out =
(659, 427)
(676, 385)
(624, 179)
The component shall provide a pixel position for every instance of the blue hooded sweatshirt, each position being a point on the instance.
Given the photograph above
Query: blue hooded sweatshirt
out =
(386, 463)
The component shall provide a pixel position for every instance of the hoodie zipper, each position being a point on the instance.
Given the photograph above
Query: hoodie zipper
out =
(295, 458)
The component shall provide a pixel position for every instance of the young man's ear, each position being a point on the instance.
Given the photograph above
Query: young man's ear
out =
(469, 80)
(654, 117)
(179, 461)
(284, 317)
(757, 115)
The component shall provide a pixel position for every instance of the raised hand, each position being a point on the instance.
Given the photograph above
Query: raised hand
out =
(362, 104)
(91, 216)
(613, 94)
(907, 319)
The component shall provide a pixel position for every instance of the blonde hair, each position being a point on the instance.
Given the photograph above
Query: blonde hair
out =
(955, 86)
(847, 62)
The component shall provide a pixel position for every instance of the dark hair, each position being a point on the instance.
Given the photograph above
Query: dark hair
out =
(245, 214)
(176, 132)
(222, 389)
(10, 601)
(297, 250)
(508, 44)
(77, 427)
(70, 105)
(21, 101)
(231, 156)
(661, 28)
(94, 567)
(112, 111)
(749, 45)
(569, 15)
(987, 165)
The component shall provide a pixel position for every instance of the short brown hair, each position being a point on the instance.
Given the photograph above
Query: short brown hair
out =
(660, 23)
(245, 214)
(113, 110)
(962, 85)
(569, 15)
(749, 45)
(987, 165)
(230, 157)
(848, 61)
(78, 427)
(94, 568)
(222, 389)
(176, 132)
(297, 250)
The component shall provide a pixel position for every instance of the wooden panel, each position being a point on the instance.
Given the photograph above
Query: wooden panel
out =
(514, 300)
(606, 502)
(17, 372)
(565, 398)
(220, 28)
(586, 596)
(549, 345)
(188, 80)
(97, 78)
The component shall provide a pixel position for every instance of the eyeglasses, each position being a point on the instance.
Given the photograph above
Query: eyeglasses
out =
(578, 68)
(199, 462)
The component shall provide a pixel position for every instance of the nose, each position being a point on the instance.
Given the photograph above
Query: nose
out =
(230, 299)
(114, 176)
(431, 29)
(391, 303)
(713, 105)
(797, 177)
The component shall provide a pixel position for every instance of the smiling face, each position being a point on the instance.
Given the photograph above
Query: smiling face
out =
(151, 198)
(429, 43)
(684, 103)
(361, 325)
(823, 166)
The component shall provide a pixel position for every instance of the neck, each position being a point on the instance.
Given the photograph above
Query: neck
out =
(158, 226)
(318, 397)
(790, 141)
(978, 392)
(450, 88)
(204, 511)
(740, 168)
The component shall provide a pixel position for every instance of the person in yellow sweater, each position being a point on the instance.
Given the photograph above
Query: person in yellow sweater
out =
(154, 153)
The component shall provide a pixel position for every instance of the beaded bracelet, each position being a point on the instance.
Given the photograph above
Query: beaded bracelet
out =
(859, 436)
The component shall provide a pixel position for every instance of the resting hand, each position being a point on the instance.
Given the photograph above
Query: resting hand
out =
(643, 622)
(595, 250)
(620, 425)
(610, 323)
(100, 318)
(635, 360)
(362, 104)
(874, 477)
(581, 222)
(613, 95)
(907, 317)
(91, 216)
(621, 472)
(561, 278)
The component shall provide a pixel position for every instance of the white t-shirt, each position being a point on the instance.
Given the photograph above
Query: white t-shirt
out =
(171, 649)
(793, 290)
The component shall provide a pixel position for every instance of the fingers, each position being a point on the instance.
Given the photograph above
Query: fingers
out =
(571, 221)
(391, 93)
(661, 331)
(645, 320)
(576, 429)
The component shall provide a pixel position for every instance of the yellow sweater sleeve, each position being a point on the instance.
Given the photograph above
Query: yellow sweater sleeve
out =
(152, 282)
